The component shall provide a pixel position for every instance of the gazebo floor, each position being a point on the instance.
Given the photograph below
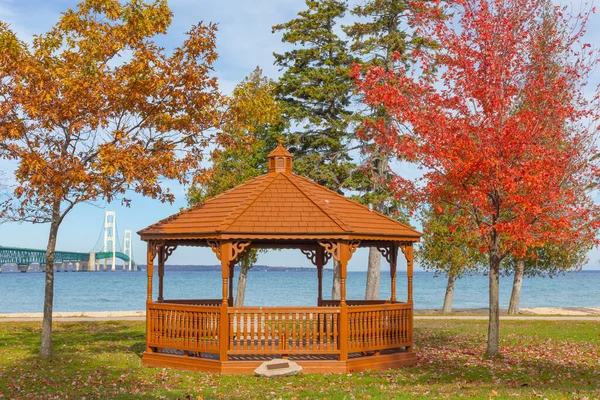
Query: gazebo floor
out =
(310, 363)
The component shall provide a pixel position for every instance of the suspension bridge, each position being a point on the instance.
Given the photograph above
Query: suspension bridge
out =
(103, 256)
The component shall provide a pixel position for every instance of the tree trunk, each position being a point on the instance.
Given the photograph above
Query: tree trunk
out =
(241, 286)
(373, 274)
(46, 346)
(515, 297)
(493, 344)
(337, 281)
(449, 294)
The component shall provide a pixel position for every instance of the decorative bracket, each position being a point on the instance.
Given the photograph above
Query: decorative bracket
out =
(353, 245)
(215, 247)
(168, 250)
(154, 247)
(389, 253)
(333, 248)
(311, 255)
(237, 248)
(407, 250)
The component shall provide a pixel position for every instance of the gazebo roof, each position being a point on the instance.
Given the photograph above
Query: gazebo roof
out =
(280, 205)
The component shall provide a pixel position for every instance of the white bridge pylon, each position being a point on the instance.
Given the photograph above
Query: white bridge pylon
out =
(127, 250)
(109, 243)
(110, 236)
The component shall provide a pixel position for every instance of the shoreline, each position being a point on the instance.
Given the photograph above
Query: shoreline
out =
(523, 311)
(467, 313)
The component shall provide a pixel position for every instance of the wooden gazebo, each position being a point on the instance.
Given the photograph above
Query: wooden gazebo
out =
(279, 210)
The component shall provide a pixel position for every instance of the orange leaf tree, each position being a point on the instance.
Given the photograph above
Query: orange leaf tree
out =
(501, 126)
(95, 108)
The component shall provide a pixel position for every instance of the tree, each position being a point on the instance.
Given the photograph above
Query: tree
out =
(446, 248)
(549, 260)
(382, 36)
(553, 258)
(518, 176)
(251, 126)
(315, 92)
(94, 108)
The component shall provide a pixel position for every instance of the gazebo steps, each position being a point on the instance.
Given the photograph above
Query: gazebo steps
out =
(310, 363)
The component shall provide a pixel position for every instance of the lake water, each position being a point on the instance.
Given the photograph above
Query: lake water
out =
(122, 291)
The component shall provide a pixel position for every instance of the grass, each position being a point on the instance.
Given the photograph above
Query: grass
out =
(545, 359)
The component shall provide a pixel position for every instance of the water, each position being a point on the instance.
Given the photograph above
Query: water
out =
(122, 291)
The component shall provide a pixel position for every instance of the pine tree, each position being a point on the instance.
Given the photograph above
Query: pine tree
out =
(315, 91)
(383, 36)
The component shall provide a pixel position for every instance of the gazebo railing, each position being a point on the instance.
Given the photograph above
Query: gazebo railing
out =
(184, 327)
(194, 302)
(283, 330)
(278, 330)
(379, 327)
(336, 303)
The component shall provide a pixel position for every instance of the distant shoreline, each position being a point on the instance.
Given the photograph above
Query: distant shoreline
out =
(11, 268)
(582, 312)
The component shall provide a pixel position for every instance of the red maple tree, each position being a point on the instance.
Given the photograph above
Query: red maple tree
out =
(500, 124)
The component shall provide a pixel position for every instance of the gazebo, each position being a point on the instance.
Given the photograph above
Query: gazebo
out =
(279, 210)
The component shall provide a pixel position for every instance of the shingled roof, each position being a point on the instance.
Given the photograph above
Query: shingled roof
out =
(280, 205)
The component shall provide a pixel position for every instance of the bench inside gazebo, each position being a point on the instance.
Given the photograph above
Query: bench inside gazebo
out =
(280, 210)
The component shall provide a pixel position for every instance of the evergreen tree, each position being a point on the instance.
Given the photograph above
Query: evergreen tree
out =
(315, 92)
(383, 36)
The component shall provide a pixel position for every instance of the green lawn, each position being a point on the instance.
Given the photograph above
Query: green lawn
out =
(541, 359)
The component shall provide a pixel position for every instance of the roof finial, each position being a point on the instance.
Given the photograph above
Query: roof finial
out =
(280, 160)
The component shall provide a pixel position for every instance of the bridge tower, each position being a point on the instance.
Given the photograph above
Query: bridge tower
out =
(110, 236)
(127, 249)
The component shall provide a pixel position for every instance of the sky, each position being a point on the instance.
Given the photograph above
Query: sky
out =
(244, 41)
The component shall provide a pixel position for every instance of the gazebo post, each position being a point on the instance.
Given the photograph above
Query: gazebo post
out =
(408, 253)
(149, 272)
(393, 265)
(343, 255)
(409, 271)
(225, 254)
(320, 258)
(161, 271)
(231, 274)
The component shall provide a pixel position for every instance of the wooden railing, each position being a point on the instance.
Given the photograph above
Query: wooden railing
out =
(283, 330)
(379, 327)
(278, 330)
(194, 302)
(336, 303)
(184, 327)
